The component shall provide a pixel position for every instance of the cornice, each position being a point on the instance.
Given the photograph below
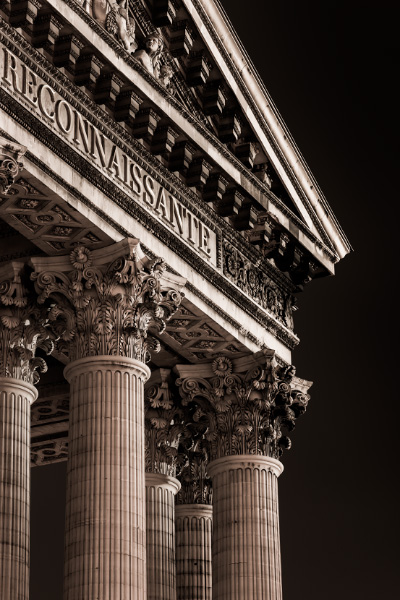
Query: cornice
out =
(324, 246)
(237, 75)
(119, 135)
(83, 167)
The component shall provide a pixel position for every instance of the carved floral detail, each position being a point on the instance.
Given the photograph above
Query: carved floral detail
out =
(10, 163)
(164, 426)
(246, 412)
(258, 286)
(195, 482)
(23, 328)
(106, 307)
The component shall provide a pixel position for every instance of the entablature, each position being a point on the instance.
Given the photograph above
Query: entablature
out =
(232, 177)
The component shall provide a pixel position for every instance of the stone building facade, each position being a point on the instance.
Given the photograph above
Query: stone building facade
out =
(157, 221)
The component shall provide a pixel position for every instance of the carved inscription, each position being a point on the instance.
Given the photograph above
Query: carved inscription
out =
(67, 121)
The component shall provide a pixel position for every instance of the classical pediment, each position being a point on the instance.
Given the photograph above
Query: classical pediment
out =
(174, 75)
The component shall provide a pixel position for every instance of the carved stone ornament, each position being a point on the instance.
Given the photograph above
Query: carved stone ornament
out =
(258, 286)
(118, 23)
(149, 56)
(247, 403)
(24, 327)
(10, 163)
(104, 302)
(195, 482)
(164, 425)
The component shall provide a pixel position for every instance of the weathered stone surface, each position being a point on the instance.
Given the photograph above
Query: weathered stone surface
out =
(193, 551)
(105, 546)
(16, 397)
(246, 554)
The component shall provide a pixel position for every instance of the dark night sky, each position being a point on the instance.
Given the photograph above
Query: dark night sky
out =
(330, 69)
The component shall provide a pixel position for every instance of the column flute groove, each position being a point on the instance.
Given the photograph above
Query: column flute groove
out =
(105, 531)
(103, 303)
(245, 405)
(23, 329)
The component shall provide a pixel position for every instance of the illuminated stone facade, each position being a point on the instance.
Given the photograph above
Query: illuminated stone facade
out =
(156, 222)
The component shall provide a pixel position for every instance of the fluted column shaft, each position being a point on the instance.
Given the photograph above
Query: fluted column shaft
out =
(105, 546)
(160, 528)
(15, 399)
(246, 545)
(193, 523)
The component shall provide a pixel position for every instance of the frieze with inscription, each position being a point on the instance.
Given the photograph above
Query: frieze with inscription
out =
(121, 169)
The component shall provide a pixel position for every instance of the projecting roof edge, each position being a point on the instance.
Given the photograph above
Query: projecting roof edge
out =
(260, 103)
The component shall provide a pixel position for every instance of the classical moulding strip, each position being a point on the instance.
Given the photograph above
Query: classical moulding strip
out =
(264, 196)
(111, 190)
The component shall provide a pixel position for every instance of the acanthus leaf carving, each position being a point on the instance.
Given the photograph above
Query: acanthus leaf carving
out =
(258, 286)
(110, 301)
(164, 426)
(247, 407)
(24, 327)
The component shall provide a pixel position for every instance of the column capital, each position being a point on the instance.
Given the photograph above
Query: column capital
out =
(164, 425)
(23, 327)
(106, 301)
(10, 163)
(247, 403)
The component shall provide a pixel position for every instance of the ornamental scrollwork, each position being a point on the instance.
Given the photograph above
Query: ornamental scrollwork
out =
(108, 301)
(24, 327)
(164, 426)
(247, 411)
(256, 283)
(10, 163)
(196, 486)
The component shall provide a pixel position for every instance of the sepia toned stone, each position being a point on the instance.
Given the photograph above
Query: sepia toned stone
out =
(16, 397)
(246, 554)
(193, 551)
(160, 532)
(105, 535)
(146, 120)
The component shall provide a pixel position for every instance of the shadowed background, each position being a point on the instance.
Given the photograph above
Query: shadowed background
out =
(331, 69)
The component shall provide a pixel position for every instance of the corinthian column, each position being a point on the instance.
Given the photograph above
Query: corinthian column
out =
(194, 515)
(246, 546)
(164, 428)
(103, 304)
(247, 404)
(22, 330)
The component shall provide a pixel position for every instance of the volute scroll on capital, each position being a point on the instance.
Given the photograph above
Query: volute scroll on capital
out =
(24, 327)
(164, 425)
(107, 301)
(10, 163)
(247, 404)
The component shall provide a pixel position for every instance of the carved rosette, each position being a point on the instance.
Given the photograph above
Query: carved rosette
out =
(164, 425)
(105, 302)
(23, 328)
(10, 163)
(248, 404)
